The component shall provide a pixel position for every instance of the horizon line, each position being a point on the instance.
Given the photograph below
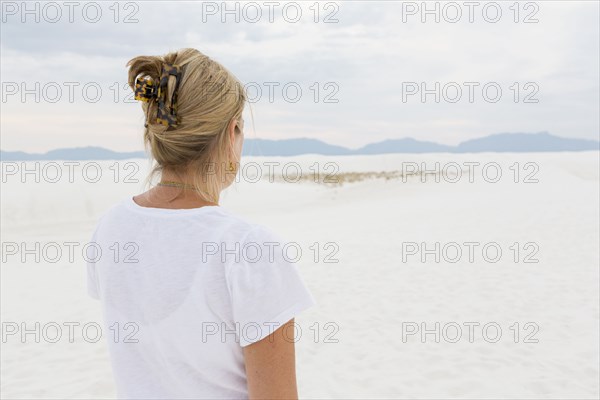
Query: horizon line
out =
(449, 146)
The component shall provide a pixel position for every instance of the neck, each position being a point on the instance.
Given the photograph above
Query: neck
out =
(172, 176)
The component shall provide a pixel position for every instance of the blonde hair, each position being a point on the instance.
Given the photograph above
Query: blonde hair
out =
(209, 98)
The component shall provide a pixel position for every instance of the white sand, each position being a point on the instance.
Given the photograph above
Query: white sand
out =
(371, 292)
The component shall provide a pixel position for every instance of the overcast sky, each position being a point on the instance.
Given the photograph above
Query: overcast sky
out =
(361, 73)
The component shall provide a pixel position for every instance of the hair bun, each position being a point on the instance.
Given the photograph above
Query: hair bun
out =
(198, 137)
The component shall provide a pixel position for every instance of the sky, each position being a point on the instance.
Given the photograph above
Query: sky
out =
(348, 73)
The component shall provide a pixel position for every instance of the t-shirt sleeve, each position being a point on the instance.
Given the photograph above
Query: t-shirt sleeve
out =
(92, 281)
(92, 255)
(265, 285)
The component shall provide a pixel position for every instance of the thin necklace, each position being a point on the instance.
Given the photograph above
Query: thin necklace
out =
(176, 184)
(185, 186)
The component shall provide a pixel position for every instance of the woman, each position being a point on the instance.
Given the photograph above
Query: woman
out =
(198, 302)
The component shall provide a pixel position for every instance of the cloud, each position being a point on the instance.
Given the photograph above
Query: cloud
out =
(364, 61)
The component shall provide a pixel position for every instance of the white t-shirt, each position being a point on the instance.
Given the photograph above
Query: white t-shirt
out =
(182, 291)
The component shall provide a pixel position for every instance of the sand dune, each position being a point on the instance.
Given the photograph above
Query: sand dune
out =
(378, 221)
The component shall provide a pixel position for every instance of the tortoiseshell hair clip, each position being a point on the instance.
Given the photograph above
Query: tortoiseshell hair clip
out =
(147, 90)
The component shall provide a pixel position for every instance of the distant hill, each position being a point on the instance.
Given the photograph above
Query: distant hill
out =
(407, 145)
(290, 147)
(502, 142)
(525, 142)
(75, 153)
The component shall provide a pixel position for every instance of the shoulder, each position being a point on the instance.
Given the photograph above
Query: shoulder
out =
(107, 214)
(259, 233)
(249, 230)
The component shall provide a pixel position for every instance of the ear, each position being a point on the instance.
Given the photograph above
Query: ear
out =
(231, 130)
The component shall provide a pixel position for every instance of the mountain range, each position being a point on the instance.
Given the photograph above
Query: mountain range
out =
(501, 142)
